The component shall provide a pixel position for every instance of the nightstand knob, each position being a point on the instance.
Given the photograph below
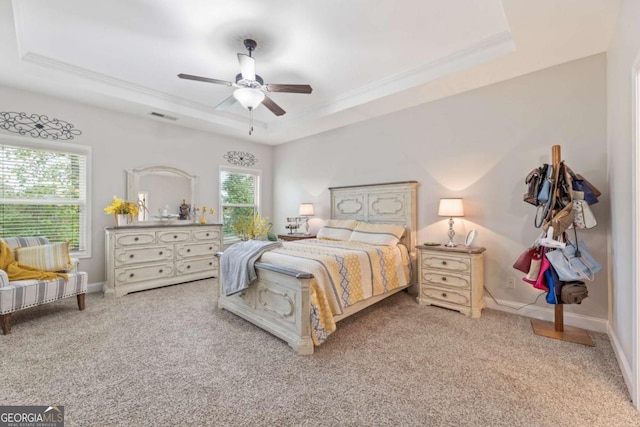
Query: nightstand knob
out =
(444, 279)
(444, 295)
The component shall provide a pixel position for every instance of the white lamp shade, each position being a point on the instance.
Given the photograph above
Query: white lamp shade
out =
(249, 98)
(306, 209)
(451, 207)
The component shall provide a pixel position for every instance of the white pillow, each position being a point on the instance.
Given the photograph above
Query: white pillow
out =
(337, 229)
(377, 234)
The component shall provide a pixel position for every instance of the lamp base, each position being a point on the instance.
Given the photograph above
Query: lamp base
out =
(450, 244)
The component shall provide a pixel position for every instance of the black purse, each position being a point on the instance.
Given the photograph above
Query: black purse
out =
(535, 180)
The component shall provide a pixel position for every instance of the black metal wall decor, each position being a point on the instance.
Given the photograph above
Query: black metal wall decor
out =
(37, 126)
(240, 158)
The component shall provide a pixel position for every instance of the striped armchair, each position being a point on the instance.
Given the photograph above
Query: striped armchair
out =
(21, 294)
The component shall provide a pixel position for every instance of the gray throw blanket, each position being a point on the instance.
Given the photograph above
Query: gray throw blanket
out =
(237, 269)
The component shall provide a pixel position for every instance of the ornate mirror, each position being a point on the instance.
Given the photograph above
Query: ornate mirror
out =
(162, 189)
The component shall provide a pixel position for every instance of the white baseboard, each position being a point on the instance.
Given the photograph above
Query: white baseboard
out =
(578, 320)
(625, 367)
(94, 287)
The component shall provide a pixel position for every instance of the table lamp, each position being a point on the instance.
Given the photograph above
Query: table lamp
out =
(451, 208)
(306, 210)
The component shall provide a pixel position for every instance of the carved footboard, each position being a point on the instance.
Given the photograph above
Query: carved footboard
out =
(278, 302)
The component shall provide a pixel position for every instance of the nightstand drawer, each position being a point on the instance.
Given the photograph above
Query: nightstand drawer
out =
(457, 281)
(446, 262)
(450, 296)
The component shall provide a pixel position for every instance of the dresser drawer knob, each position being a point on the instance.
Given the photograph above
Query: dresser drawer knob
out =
(444, 279)
(188, 250)
(188, 267)
(175, 237)
(210, 263)
(160, 271)
(160, 253)
(444, 262)
(131, 256)
(210, 248)
(136, 239)
(131, 275)
(444, 295)
(207, 234)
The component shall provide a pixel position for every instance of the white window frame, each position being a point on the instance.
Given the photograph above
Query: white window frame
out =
(258, 194)
(68, 148)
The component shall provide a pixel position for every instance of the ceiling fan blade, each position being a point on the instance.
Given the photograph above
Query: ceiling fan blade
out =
(204, 79)
(247, 66)
(289, 88)
(275, 108)
(226, 103)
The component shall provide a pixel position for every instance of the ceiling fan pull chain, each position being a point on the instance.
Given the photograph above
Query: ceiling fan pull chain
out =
(251, 114)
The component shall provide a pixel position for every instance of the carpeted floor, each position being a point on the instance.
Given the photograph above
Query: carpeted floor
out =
(169, 357)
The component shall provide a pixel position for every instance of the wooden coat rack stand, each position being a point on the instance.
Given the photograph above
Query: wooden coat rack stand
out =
(557, 329)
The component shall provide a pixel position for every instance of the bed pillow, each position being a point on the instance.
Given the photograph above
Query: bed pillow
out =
(337, 229)
(51, 257)
(377, 234)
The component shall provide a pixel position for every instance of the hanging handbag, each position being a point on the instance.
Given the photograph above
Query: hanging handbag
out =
(574, 262)
(523, 263)
(534, 268)
(584, 189)
(562, 220)
(574, 292)
(545, 190)
(584, 217)
(554, 285)
(534, 181)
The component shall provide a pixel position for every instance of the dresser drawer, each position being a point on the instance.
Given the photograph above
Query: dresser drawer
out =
(187, 250)
(136, 239)
(205, 235)
(190, 266)
(174, 236)
(455, 297)
(135, 255)
(144, 272)
(457, 281)
(446, 262)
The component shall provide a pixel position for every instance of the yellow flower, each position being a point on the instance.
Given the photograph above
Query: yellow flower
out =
(119, 206)
(252, 227)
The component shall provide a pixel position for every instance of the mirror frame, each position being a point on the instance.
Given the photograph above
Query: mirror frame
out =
(134, 175)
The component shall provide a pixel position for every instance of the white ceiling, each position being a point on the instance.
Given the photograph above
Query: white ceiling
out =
(363, 58)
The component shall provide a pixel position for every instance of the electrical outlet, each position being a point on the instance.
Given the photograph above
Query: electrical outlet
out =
(511, 283)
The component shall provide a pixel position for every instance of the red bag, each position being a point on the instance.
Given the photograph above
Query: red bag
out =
(523, 263)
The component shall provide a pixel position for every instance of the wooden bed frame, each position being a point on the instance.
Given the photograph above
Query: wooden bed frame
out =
(278, 301)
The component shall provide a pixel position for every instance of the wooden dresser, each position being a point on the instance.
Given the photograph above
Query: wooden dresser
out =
(142, 257)
(452, 278)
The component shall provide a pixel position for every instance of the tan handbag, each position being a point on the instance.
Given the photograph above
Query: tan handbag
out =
(562, 220)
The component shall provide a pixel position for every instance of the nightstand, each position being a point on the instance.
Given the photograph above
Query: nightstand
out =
(452, 278)
(297, 236)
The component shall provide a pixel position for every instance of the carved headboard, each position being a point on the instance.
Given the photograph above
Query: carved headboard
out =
(392, 203)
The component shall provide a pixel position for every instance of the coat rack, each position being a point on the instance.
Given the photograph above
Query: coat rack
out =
(557, 329)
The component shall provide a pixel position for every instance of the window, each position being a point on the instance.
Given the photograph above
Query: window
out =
(44, 192)
(239, 196)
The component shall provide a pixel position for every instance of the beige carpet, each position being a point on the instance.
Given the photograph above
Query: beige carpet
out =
(169, 357)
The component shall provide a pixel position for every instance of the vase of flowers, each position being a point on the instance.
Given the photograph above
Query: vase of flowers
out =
(123, 211)
(203, 212)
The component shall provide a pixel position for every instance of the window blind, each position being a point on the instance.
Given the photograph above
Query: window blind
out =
(43, 192)
(239, 191)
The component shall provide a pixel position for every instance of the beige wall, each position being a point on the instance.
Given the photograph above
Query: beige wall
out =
(623, 56)
(123, 141)
(478, 145)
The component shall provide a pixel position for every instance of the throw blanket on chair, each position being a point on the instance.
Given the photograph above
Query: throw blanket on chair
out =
(237, 264)
(17, 271)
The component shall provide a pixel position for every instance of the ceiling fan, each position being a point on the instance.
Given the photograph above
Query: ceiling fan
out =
(251, 90)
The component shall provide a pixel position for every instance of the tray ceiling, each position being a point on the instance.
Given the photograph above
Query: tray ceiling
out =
(362, 58)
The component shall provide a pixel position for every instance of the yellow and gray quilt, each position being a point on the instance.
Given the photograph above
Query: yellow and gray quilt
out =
(344, 273)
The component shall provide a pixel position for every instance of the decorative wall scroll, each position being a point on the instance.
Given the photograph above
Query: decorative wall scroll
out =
(240, 158)
(37, 126)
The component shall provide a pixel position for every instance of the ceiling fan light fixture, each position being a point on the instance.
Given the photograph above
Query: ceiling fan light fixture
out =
(248, 97)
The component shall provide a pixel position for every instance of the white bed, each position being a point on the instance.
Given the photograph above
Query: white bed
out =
(279, 300)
